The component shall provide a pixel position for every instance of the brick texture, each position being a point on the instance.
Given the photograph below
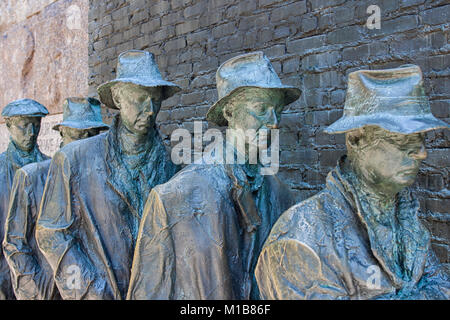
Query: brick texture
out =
(312, 44)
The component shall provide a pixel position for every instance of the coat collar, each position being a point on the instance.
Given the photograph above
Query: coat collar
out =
(412, 236)
(157, 168)
(18, 158)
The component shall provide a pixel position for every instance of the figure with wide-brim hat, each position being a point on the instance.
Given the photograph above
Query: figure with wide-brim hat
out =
(82, 118)
(23, 121)
(97, 187)
(202, 239)
(361, 237)
(32, 276)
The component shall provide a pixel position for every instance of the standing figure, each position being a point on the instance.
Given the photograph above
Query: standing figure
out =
(360, 237)
(23, 120)
(96, 188)
(32, 276)
(202, 231)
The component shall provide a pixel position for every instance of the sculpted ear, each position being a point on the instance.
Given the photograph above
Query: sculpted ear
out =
(8, 122)
(354, 139)
(115, 90)
(227, 112)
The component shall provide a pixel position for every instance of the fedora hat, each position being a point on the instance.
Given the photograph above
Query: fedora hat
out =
(25, 108)
(251, 70)
(393, 99)
(139, 68)
(82, 113)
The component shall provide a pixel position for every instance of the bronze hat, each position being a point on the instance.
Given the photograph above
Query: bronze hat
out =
(137, 67)
(393, 99)
(24, 107)
(82, 113)
(251, 70)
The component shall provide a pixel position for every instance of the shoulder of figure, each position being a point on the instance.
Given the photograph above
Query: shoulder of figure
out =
(91, 146)
(35, 167)
(306, 222)
(208, 178)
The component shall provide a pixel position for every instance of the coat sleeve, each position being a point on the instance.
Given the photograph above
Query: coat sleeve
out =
(152, 273)
(290, 270)
(30, 281)
(57, 236)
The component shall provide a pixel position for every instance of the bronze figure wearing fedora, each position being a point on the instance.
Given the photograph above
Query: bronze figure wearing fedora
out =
(94, 198)
(23, 120)
(202, 231)
(32, 277)
(360, 237)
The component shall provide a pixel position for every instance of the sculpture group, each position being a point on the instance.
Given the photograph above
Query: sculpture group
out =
(111, 217)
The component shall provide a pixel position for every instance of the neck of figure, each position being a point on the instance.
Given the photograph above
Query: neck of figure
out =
(24, 154)
(252, 169)
(132, 143)
(377, 190)
(241, 149)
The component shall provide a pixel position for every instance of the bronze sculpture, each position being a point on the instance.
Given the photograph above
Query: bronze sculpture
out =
(23, 120)
(32, 277)
(93, 200)
(202, 231)
(360, 237)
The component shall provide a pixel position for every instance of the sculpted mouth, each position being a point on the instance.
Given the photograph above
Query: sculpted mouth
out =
(409, 171)
(142, 123)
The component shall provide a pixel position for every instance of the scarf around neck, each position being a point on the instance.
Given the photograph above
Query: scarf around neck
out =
(397, 238)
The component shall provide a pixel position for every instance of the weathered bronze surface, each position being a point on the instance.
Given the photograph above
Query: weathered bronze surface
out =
(23, 120)
(32, 276)
(96, 188)
(202, 231)
(360, 237)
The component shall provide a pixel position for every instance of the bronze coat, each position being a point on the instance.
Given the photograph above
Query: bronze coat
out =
(197, 239)
(90, 212)
(321, 249)
(10, 161)
(32, 276)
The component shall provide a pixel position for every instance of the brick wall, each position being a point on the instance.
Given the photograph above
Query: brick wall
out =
(312, 44)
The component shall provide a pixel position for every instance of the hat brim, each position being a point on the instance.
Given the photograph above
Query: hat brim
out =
(34, 115)
(394, 123)
(85, 125)
(104, 90)
(215, 113)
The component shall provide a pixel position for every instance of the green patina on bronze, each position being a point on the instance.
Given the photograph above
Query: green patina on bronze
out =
(97, 187)
(202, 231)
(23, 120)
(31, 274)
(361, 237)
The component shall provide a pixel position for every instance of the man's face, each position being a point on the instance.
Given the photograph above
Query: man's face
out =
(257, 109)
(24, 131)
(391, 160)
(138, 106)
(71, 134)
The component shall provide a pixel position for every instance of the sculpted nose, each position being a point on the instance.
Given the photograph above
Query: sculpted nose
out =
(31, 130)
(420, 154)
(150, 110)
(272, 121)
